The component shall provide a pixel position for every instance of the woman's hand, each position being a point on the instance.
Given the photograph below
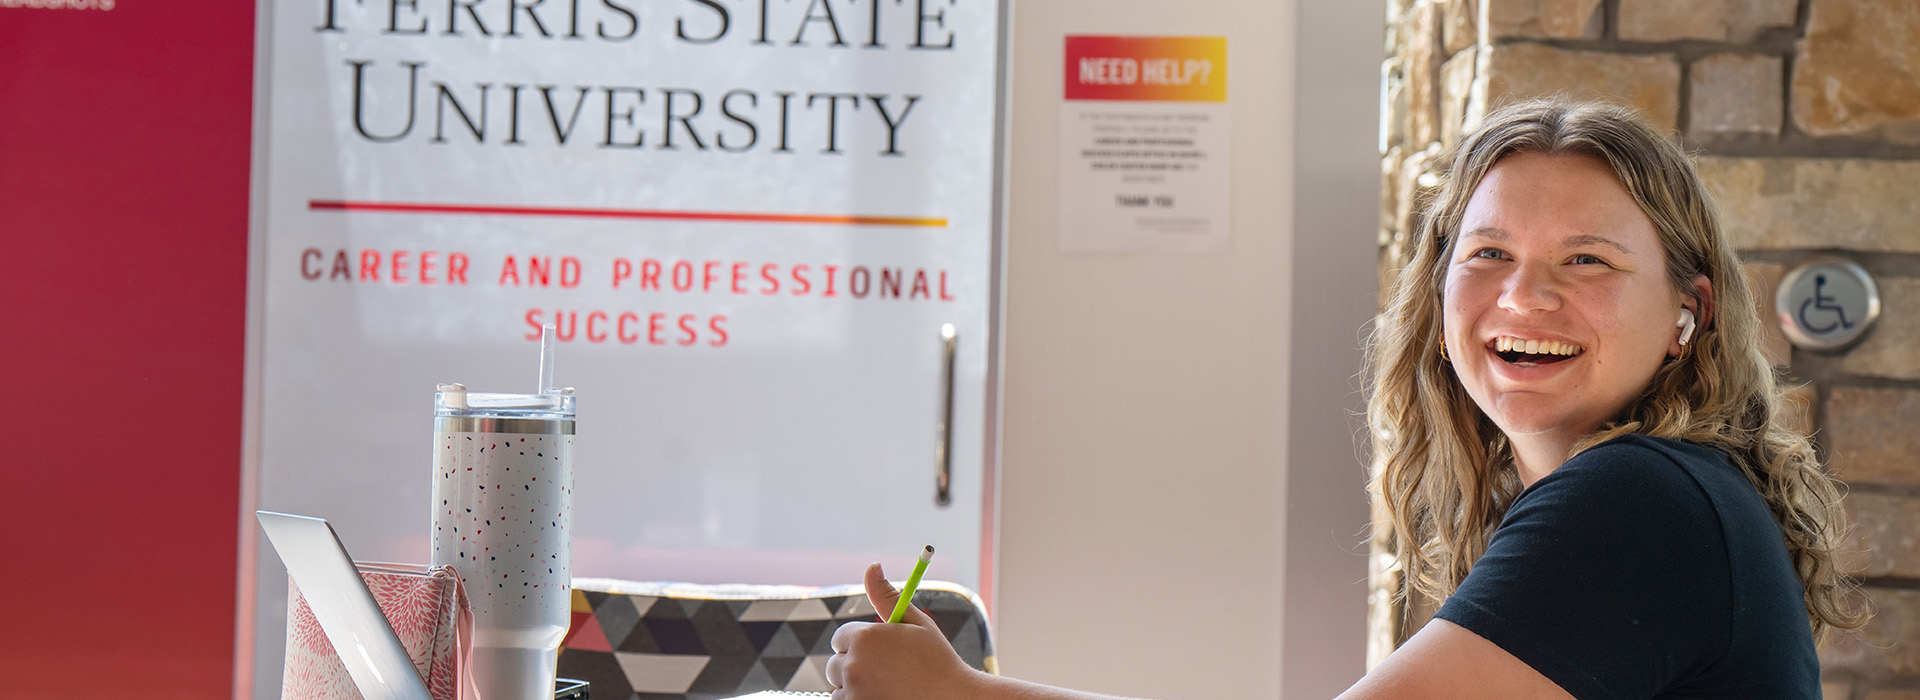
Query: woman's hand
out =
(907, 661)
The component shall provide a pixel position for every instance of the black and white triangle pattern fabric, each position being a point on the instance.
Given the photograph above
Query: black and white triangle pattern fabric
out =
(677, 641)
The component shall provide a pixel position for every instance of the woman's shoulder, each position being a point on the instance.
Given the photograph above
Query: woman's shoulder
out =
(1639, 481)
(1630, 506)
(1632, 530)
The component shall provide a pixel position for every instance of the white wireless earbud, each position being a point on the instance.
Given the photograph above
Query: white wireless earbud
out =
(1685, 325)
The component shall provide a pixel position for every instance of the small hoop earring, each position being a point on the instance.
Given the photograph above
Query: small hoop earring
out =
(1443, 353)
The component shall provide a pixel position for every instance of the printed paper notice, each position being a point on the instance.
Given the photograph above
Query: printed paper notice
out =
(1144, 144)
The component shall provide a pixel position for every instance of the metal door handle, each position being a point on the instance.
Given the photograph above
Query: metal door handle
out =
(943, 430)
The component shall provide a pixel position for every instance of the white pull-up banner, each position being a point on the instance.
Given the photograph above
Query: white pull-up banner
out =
(747, 219)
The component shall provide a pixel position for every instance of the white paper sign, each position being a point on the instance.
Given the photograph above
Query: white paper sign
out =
(1144, 145)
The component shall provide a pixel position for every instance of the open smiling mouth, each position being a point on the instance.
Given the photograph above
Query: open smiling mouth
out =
(1532, 353)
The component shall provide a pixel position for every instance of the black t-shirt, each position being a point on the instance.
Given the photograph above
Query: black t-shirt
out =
(1644, 568)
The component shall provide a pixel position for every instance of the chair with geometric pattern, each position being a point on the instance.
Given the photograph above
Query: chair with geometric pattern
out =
(678, 641)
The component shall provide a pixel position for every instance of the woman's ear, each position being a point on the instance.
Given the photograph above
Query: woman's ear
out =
(1703, 298)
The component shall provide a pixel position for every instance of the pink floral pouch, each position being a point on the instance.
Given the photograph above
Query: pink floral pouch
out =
(428, 610)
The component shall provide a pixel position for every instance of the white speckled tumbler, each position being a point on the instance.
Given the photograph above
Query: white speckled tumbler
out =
(503, 505)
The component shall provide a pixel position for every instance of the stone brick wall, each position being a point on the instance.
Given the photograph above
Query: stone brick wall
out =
(1805, 115)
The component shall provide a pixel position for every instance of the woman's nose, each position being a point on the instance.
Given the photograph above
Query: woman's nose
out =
(1530, 289)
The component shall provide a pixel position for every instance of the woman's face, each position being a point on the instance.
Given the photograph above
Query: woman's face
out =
(1558, 309)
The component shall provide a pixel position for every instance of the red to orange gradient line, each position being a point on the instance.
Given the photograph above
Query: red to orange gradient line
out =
(600, 213)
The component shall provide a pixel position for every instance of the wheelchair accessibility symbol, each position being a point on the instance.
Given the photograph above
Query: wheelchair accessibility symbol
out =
(1826, 303)
(1820, 302)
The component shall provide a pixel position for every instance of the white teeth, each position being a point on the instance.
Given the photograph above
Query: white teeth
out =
(1535, 347)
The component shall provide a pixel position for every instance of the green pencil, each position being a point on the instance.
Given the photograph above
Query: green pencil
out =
(913, 582)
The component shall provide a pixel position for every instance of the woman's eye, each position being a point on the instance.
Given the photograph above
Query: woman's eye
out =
(1488, 253)
(1587, 260)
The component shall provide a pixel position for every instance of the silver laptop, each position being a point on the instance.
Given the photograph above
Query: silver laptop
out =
(344, 607)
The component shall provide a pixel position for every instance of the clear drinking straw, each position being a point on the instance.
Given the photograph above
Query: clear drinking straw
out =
(546, 360)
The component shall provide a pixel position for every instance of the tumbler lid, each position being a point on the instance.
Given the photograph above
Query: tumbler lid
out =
(455, 400)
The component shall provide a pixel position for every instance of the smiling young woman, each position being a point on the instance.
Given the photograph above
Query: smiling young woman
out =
(1577, 441)
(1567, 371)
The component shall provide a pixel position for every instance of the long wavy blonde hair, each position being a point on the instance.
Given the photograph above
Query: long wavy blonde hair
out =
(1445, 473)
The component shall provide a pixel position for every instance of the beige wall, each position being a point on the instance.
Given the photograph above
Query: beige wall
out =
(1153, 404)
